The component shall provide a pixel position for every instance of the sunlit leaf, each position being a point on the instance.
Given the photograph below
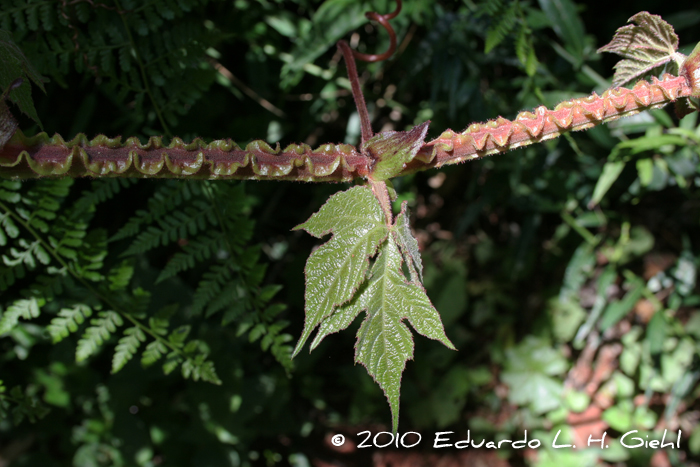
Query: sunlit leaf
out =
(337, 268)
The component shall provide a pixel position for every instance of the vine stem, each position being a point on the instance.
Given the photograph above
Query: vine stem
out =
(23, 157)
(501, 135)
(365, 123)
(87, 285)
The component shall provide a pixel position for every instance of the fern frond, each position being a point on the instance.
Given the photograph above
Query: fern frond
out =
(100, 191)
(101, 330)
(506, 20)
(30, 253)
(41, 203)
(9, 191)
(24, 308)
(68, 321)
(168, 197)
(120, 275)
(197, 250)
(159, 38)
(27, 405)
(171, 362)
(8, 228)
(232, 292)
(153, 352)
(51, 284)
(91, 255)
(210, 286)
(127, 347)
(178, 337)
(179, 224)
(200, 368)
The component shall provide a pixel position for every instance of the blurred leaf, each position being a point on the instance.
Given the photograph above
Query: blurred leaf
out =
(566, 317)
(14, 64)
(565, 21)
(577, 271)
(694, 441)
(529, 370)
(656, 333)
(645, 168)
(618, 309)
(333, 20)
(619, 416)
(611, 170)
(577, 401)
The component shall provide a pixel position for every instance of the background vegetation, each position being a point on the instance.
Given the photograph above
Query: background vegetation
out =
(569, 311)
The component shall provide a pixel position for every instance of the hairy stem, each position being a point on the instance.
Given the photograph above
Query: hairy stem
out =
(365, 123)
(38, 156)
(501, 135)
(381, 192)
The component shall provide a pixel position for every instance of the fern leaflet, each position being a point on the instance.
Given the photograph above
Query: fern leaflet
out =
(23, 308)
(67, 321)
(127, 347)
(95, 335)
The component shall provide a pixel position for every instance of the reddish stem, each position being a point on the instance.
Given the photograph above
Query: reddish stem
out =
(384, 21)
(365, 124)
(501, 135)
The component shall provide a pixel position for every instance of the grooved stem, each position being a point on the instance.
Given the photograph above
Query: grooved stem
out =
(30, 157)
(500, 135)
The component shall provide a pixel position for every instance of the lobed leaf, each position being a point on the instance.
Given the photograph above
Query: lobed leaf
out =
(336, 269)
(646, 45)
(392, 150)
(408, 245)
(384, 342)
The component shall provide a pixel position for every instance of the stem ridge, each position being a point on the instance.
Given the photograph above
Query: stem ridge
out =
(500, 135)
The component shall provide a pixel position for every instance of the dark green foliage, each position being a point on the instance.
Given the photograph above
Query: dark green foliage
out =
(532, 284)
(505, 19)
(150, 54)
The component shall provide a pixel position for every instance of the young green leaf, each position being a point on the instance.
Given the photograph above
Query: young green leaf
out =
(384, 342)
(336, 269)
(611, 171)
(392, 150)
(646, 45)
(408, 245)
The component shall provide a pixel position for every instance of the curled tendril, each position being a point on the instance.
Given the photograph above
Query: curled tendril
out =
(349, 55)
(384, 21)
